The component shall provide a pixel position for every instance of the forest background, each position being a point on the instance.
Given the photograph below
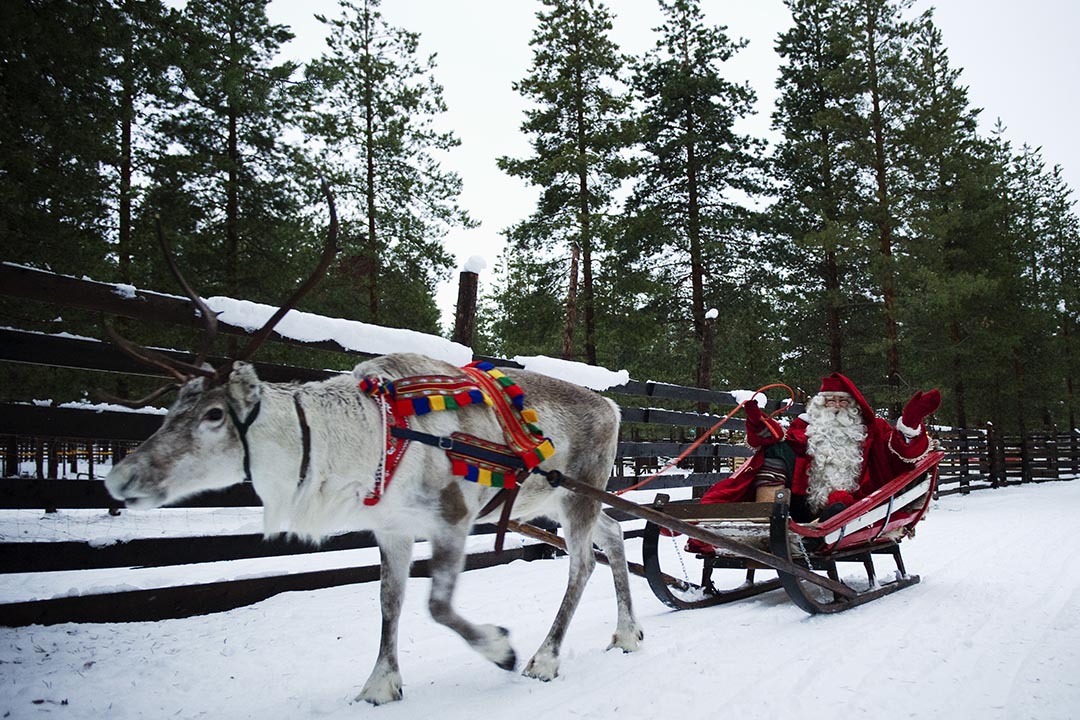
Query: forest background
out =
(879, 233)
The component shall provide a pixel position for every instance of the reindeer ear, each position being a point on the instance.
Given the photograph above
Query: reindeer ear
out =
(244, 385)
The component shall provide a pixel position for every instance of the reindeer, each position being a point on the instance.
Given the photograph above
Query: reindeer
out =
(313, 452)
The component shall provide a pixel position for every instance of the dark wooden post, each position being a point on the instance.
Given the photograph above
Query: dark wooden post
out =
(1025, 457)
(54, 459)
(965, 449)
(90, 449)
(1052, 453)
(465, 316)
(11, 457)
(994, 461)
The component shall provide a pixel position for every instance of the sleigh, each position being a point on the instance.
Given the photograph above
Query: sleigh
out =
(868, 529)
(753, 537)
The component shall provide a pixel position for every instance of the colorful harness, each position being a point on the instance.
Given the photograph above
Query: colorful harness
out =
(472, 458)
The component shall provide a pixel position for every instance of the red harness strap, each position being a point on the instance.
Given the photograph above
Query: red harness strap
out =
(394, 449)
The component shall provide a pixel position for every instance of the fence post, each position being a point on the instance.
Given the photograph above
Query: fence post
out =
(1025, 458)
(11, 457)
(1052, 453)
(993, 457)
(965, 464)
(465, 315)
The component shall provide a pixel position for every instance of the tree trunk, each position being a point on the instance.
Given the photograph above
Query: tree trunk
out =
(127, 113)
(369, 190)
(883, 219)
(959, 395)
(584, 211)
(232, 194)
(571, 305)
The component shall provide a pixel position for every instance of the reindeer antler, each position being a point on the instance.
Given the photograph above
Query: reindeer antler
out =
(209, 316)
(183, 371)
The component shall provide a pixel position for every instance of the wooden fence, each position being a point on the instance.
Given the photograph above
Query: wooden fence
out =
(983, 459)
(52, 458)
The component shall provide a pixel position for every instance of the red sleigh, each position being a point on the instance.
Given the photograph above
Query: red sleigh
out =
(755, 536)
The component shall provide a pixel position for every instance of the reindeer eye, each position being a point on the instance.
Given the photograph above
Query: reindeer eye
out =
(214, 414)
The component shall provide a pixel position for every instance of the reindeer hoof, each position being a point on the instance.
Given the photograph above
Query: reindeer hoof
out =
(495, 646)
(383, 690)
(542, 667)
(627, 641)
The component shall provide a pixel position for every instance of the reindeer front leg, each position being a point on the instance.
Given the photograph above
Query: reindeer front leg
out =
(395, 554)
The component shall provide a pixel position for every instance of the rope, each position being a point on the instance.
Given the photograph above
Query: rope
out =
(697, 443)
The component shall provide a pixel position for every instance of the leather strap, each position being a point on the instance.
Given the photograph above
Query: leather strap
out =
(305, 439)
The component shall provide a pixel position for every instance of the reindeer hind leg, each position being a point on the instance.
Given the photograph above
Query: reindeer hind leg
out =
(447, 562)
(609, 536)
(579, 518)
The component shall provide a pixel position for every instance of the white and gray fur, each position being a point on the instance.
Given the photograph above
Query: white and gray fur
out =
(198, 448)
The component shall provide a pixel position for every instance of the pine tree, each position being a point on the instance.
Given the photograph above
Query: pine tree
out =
(376, 105)
(695, 161)
(814, 222)
(952, 213)
(56, 131)
(144, 50)
(230, 186)
(578, 129)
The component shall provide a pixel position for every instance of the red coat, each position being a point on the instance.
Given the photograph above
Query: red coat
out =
(885, 456)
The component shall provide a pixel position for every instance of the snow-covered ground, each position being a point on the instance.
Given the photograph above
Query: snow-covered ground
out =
(992, 631)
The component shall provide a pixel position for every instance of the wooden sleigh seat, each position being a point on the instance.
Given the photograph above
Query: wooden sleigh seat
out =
(872, 526)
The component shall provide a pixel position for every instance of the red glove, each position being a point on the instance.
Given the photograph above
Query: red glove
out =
(919, 406)
(838, 502)
(753, 412)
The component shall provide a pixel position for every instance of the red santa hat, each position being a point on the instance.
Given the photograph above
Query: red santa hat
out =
(837, 383)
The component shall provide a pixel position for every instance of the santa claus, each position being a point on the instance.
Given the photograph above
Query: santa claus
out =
(834, 454)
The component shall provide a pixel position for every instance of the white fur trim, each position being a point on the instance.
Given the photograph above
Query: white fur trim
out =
(910, 433)
(913, 460)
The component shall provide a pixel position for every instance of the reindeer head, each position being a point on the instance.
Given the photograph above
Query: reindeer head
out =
(202, 443)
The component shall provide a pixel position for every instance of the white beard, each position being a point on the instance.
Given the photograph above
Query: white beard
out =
(834, 442)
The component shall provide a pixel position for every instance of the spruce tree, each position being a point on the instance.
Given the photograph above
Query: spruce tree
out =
(814, 222)
(57, 134)
(695, 163)
(230, 186)
(577, 125)
(952, 213)
(376, 105)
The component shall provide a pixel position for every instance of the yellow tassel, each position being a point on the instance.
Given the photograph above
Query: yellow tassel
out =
(546, 449)
(438, 402)
(529, 415)
(484, 477)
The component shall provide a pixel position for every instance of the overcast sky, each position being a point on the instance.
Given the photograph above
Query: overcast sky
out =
(1020, 62)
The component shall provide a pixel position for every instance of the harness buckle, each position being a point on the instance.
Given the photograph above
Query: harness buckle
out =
(446, 443)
